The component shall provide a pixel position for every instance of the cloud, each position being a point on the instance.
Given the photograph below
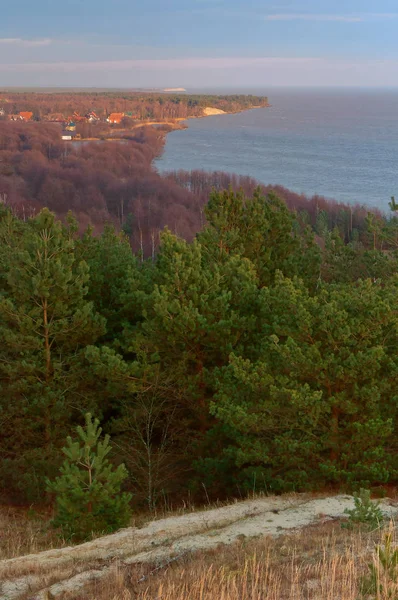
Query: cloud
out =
(356, 18)
(314, 17)
(149, 64)
(25, 43)
(251, 73)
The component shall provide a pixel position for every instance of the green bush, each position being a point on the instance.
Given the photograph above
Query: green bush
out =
(88, 496)
(382, 579)
(366, 512)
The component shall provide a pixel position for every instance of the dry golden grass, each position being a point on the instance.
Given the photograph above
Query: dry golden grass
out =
(323, 562)
(25, 532)
(320, 562)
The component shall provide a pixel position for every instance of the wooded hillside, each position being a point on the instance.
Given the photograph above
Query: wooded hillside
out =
(250, 357)
(116, 182)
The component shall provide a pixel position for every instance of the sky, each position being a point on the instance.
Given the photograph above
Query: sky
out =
(236, 44)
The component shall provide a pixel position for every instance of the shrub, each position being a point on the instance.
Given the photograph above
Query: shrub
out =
(382, 579)
(88, 496)
(366, 512)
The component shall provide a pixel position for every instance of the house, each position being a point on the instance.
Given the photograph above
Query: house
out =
(26, 116)
(68, 136)
(115, 118)
(92, 117)
(14, 117)
(2, 112)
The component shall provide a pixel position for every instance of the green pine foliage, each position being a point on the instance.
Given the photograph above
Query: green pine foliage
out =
(381, 581)
(260, 355)
(88, 491)
(365, 512)
(46, 322)
(116, 286)
(319, 404)
(260, 229)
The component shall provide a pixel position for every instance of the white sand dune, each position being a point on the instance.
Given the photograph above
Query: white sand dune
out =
(209, 111)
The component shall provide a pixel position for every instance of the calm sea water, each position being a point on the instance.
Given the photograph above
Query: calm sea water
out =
(339, 144)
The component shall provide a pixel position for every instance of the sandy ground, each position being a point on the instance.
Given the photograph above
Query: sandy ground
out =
(51, 573)
(209, 111)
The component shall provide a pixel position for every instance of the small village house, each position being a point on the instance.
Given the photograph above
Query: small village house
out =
(92, 117)
(26, 115)
(68, 136)
(115, 118)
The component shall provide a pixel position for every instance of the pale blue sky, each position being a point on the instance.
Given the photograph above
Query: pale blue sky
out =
(199, 43)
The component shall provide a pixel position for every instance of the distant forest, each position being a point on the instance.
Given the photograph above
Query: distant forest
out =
(116, 182)
(230, 337)
(143, 106)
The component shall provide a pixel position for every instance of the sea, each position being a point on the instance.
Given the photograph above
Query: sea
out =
(338, 143)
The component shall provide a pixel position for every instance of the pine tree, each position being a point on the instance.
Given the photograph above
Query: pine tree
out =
(393, 204)
(320, 404)
(45, 324)
(322, 223)
(117, 282)
(200, 312)
(259, 228)
(343, 263)
(88, 491)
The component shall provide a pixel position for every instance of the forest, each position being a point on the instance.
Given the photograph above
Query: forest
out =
(259, 353)
(98, 181)
(228, 336)
(116, 182)
(142, 106)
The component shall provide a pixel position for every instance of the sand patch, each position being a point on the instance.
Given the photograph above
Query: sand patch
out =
(70, 569)
(209, 111)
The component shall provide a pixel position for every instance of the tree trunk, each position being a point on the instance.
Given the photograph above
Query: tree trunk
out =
(48, 369)
(334, 437)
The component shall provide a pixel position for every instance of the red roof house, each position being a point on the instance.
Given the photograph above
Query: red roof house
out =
(26, 116)
(115, 118)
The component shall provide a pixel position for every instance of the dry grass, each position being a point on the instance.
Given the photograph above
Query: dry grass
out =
(322, 562)
(26, 532)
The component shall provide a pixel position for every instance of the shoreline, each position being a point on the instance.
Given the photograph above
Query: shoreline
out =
(180, 124)
(177, 124)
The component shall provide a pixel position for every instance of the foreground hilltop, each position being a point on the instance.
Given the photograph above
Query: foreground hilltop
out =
(82, 571)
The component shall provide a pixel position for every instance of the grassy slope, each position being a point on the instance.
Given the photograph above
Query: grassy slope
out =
(321, 561)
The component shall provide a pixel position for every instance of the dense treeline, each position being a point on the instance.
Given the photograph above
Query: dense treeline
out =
(251, 357)
(140, 105)
(320, 213)
(115, 182)
(98, 181)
